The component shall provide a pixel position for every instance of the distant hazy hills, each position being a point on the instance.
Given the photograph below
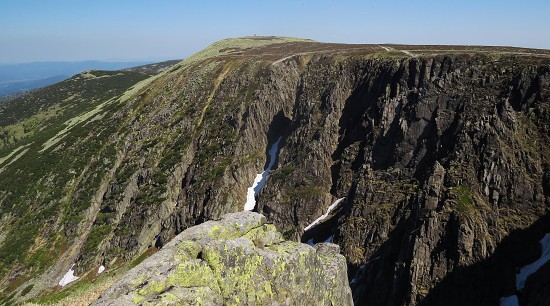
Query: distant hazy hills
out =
(19, 77)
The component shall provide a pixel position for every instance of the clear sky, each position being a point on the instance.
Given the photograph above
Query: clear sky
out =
(69, 30)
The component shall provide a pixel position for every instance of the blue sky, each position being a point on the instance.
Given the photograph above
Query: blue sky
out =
(55, 30)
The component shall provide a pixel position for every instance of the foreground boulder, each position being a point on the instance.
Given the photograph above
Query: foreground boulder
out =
(238, 260)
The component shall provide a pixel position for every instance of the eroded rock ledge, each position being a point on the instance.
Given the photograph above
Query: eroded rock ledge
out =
(238, 260)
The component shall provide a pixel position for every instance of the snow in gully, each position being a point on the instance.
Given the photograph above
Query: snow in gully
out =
(261, 178)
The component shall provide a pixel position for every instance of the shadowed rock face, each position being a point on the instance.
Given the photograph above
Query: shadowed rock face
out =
(238, 260)
(439, 157)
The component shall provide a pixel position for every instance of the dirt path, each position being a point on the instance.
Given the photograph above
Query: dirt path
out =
(393, 49)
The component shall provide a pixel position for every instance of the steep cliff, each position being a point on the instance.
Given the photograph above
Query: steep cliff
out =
(439, 153)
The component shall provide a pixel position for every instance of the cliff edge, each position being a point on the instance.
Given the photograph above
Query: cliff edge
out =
(238, 260)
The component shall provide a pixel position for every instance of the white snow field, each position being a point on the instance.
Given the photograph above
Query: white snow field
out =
(261, 178)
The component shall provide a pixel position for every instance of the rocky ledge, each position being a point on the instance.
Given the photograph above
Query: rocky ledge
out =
(238, 260)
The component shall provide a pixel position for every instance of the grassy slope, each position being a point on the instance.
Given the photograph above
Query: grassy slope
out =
(33, 187)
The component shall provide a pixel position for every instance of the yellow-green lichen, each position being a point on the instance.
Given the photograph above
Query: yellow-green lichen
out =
(264, 235)
(139, 280)
(153, 287)
(168, 298)
(287, 247)
(215, 271)
(229, 232)
(187, 250)
(137, 299)
(279, 268)
(215, 231)
(237, 269)
(193, 274)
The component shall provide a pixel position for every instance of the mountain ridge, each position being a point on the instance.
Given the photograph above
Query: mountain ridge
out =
(17, 78)
(406, 138)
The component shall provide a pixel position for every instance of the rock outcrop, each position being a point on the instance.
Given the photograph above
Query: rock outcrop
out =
(238, 260)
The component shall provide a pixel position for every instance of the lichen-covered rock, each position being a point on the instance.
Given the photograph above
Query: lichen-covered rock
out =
(238, 260)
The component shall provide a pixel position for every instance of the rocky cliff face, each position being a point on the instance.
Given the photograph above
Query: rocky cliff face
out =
(440, 153)
(238, 260)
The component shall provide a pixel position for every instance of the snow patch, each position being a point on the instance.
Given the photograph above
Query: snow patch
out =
(100, 269)
(69, 277)
(529, 269)
(321, 218)
(310, 242)
(261, 178)
(509, 301)
(251, 194)
(329, 239)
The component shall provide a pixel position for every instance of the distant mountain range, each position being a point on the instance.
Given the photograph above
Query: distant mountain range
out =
(22, 77)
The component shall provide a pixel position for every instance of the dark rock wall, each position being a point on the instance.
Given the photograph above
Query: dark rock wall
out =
(439, 159)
